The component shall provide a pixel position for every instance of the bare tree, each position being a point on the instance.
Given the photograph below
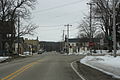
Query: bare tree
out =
(10, 10)
(28, 29)
(84, 29)
(103, 11)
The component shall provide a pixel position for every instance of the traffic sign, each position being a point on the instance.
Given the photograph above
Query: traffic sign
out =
(91, 43)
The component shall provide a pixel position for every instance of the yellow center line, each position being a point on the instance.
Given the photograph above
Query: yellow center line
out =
(16, 73)
(19, 73)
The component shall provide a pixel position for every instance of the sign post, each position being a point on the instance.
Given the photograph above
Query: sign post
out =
(101, 44)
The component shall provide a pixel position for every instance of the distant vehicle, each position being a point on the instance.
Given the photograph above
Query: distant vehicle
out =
(40, 51)
(62, 52)
(26, 53)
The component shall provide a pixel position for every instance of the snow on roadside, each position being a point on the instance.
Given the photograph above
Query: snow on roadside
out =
(98, 52)
(107, 64)
(3, 58)
(82, 52)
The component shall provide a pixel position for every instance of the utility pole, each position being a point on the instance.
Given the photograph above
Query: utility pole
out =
(68, 25)
(63, 40)
(18, 38)
(114, 29)
(63, 34)
(91, 35)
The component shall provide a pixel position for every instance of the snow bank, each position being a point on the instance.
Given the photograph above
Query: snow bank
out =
(107, 64)
(82, 52)
(79, 53)
(105, 52)
(98, 52)
(22, 55)
(3, 58)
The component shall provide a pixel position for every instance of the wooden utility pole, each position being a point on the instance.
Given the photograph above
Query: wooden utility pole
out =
(114, 29)
(18, 38)
(63, 45)
(68, 25)
(63, 35)
(91, 35)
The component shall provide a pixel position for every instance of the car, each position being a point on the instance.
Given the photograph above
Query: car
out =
(26, 53)
(40, 51)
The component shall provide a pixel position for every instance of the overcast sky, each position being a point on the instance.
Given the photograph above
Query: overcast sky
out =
(52, 15)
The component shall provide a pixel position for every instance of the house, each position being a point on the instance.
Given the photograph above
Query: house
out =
(21, 45)
(77, 44)
(32, 45)
(7, 37)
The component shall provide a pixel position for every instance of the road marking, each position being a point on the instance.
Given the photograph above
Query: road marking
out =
(19, 71)
(77, 71)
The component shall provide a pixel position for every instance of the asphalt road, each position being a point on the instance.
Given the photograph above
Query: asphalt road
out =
(48, 66)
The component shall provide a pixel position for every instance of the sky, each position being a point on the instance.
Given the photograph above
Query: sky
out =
(52, 15)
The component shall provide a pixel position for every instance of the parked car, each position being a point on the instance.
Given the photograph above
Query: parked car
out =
(40, 51)
(27, 53)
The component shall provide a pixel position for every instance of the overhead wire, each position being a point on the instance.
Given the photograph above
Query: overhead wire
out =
(50, 29)
(56, 7)
(50, 26)
(58, 29)
(59, 6)
(55, 25)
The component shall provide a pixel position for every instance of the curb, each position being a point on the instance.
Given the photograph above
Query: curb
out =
(76, 71)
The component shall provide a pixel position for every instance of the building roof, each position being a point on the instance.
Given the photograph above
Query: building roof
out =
(21, 40)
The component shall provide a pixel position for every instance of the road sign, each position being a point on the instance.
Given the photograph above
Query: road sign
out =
(91, 43)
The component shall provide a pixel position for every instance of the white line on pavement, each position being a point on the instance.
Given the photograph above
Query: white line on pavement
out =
(77, 71)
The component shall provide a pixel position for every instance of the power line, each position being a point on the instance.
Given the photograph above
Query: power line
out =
(58, 29)
(59, 6)
(49, 30)
(51, 25)
(68, 14)
(62, 25)
(72, 29)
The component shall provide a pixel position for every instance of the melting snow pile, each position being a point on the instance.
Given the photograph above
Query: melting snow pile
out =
(107, 64)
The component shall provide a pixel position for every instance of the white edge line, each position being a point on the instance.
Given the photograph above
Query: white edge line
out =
(77, 71)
